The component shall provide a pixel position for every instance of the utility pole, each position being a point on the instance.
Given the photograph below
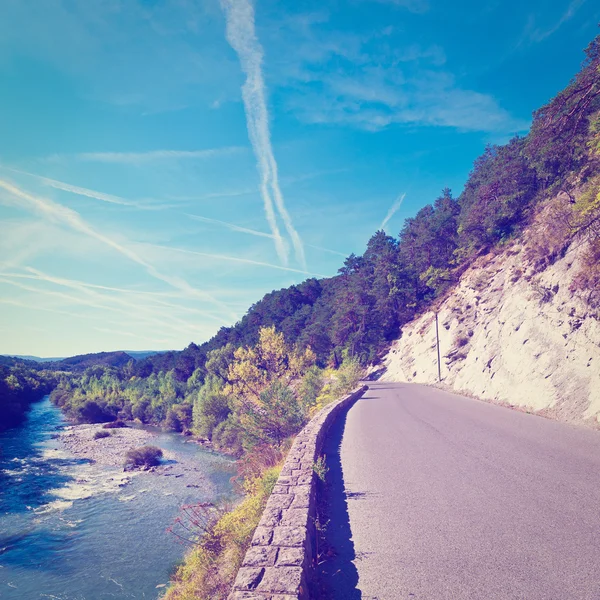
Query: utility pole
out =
(437, 338)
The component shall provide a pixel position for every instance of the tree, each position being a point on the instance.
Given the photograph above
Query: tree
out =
(556, 143)
(255, 368)
(211, 407)
(276, 416)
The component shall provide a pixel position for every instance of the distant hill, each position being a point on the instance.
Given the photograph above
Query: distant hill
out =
(105, 359)
(40, 359)
(141, 354)
(79, 362)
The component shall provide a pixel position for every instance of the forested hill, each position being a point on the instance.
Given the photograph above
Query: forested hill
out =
(364, 307)
(79, 362)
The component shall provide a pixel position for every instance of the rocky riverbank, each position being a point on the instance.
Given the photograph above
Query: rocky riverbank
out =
(78, 441)
(108, 451)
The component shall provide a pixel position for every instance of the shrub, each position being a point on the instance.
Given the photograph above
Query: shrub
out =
(311, 386)
(348, 376)
(92, 412)
(211, 407)
(228, 435)
(101, 434)
(114, 425)
(146, 456)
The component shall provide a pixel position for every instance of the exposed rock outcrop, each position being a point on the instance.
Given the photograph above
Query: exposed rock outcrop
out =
(511, 335)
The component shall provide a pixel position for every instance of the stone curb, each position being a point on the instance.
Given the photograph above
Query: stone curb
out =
(279, 563)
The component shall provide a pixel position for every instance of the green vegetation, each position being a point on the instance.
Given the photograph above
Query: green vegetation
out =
(245, 397)
(21, 383)
(320, 468)
(211, 566)
(146, 456)
(101, 434)
(114, 425)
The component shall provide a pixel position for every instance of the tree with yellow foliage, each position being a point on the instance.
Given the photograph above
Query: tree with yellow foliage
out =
(255, 368)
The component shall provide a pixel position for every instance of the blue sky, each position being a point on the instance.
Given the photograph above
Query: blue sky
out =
(163, 164)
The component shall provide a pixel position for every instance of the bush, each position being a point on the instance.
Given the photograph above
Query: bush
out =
(146, 456)
(101, 434)
(92, 412)
(211, 407)
(114, 425)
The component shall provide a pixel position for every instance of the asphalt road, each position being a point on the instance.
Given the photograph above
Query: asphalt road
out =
(452, 498)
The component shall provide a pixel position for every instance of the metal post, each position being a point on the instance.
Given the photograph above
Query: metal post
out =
(437, 337)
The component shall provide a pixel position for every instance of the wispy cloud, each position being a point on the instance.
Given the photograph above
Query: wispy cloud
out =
(138, 158)
(66, 216)
(92, 297)
(81, 191)
(234, 259)
(415, 6)
(231, 226)
(328, 250)
(536, 34)
(377, 98)
(393, 210)
(377, 80)
(242, 37)
(112, 199)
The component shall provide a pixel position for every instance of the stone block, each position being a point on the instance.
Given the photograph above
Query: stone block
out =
(260, 556)
(262, 536)
(290, 557)
(289, 536)
(305, 478)
(280, 501)
(302, 498)
(282, 580)
(286, 480)
(270, 517)
(294, 517)
(254, 596)
(248, 578)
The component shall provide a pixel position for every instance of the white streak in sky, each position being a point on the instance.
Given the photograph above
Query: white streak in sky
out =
(62, 214)
(137, 158)
(393, 209)
(81, 191)
(328, 250)
(231, 226)
(235, 259)
(239, 15)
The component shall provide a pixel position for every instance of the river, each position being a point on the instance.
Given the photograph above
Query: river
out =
(72, 530)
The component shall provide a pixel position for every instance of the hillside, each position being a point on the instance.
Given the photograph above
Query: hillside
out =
(513, 334)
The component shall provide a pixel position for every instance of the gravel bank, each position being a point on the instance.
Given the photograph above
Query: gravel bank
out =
(109, 451)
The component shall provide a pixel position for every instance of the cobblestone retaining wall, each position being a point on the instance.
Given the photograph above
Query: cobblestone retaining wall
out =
(280, 560)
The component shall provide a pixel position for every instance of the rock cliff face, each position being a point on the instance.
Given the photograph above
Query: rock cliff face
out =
(511, 335)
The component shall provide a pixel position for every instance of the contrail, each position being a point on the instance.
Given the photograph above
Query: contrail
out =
(239, 16)
(231, 226)
(59, 213)
(81, 191)
(235, 259)
(393, 209)
(137, 158)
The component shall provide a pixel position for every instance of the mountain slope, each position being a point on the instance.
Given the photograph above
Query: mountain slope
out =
(512, 334)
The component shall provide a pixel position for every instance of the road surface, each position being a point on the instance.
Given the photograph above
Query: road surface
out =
(452, 498)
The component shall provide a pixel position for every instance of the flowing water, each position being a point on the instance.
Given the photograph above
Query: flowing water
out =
(72, 530)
